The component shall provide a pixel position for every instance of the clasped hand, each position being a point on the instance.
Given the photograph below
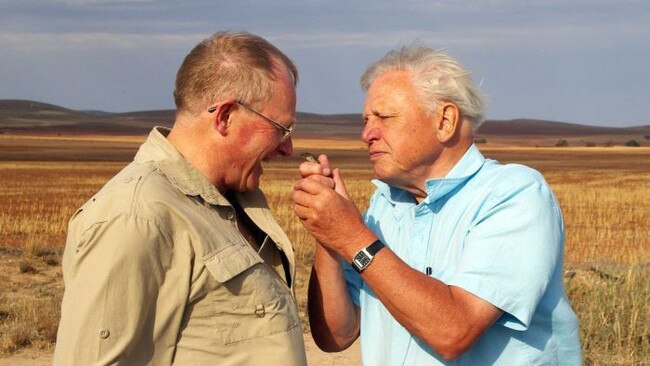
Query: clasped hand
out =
(324, 207)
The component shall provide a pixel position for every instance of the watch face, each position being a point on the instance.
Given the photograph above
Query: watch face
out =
(362, 260)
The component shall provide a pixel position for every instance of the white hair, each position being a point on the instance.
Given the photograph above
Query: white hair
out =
(436, 77)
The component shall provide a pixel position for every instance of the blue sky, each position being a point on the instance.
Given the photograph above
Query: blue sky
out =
(576, 61)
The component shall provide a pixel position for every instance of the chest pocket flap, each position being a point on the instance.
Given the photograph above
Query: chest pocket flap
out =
(231, 261)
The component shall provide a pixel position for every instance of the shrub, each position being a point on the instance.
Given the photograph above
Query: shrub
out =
(26, 267)
(562, 143)
(632, 143)
(28, 322)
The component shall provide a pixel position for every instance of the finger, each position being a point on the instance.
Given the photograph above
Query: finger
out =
(302, 212)
(313, 201)
(307, 168)
(326, 181)
(302, 198)
(311, 186)
(339, 184)
(325, 164)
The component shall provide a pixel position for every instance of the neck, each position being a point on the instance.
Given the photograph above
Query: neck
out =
(447, 160)
(195, 143)
(449, 156)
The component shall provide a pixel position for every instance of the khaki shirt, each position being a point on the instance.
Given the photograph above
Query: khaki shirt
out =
(157, 273)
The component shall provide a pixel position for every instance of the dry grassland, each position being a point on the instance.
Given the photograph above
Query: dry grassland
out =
(604, 194)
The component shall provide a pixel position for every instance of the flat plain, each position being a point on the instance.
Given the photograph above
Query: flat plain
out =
(604, 193)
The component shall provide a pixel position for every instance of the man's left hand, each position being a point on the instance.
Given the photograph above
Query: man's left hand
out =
(331, 217)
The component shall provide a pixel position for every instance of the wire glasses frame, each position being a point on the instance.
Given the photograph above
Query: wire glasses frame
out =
(286, 131)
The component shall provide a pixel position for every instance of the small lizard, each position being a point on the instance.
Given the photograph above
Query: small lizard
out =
(312, 159)
(309, 157)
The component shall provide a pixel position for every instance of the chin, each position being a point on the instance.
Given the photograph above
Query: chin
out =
(382, 173)
(252, 183)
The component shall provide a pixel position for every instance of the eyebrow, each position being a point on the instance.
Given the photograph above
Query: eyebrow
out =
(378, 113)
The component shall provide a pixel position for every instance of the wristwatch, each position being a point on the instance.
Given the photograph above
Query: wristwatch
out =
(362, 259)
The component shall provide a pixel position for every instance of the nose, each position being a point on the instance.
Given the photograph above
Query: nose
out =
(286, 147)
(370, 133)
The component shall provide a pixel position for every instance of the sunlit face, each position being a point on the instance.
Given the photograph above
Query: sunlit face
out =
(400, 136)
(258, 140)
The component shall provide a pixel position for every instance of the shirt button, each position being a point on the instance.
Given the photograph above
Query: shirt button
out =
(105, 333)
(260, 311)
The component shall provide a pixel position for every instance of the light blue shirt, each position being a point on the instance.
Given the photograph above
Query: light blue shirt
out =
(494, 230)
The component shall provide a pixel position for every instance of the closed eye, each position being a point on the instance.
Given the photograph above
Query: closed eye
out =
(386, 116)
(380, 116)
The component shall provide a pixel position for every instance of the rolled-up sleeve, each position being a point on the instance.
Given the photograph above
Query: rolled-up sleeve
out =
(511, 252)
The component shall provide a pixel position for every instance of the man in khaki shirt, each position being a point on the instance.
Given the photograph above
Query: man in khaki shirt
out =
(177, 259)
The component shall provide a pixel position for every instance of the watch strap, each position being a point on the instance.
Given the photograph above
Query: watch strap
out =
(375, 247)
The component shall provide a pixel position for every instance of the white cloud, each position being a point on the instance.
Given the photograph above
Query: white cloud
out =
(560, 46)
(560, 36)
(97, 2)
(495, 36)
(90, 41)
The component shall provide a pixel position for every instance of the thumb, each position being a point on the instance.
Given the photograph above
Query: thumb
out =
(339, 185)
(325, 165)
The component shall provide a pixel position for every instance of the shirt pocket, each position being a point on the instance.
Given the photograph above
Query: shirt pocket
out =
(249, 299)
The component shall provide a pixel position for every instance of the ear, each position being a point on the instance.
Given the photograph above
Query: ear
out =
(449, 122)
(221, 117)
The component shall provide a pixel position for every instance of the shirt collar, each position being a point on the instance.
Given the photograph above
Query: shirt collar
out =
(180, 172)
(436, 188)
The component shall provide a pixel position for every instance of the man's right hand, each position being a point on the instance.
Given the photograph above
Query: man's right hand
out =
(324, 207)
(323, 173)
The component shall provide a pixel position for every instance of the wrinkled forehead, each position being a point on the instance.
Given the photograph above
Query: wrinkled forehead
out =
(390, 89)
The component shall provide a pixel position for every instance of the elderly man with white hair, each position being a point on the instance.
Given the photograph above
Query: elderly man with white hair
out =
(458, 259)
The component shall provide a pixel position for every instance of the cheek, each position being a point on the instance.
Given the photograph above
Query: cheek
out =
(410, 150)
(400, 145)
(255, 151)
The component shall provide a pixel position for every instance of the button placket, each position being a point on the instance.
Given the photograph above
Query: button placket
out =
(422, 224)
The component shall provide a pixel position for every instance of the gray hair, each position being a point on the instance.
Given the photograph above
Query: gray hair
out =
(436, 77)
(236, 65)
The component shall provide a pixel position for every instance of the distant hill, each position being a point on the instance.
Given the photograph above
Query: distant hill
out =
(525, 126)
(36, 117)
(25, 116)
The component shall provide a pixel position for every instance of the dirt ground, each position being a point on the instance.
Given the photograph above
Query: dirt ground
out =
(315, 357)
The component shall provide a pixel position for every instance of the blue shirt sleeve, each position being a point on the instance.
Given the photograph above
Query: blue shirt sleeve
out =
(512, 248)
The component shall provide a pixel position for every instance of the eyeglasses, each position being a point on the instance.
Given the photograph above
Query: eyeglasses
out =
(286, 131)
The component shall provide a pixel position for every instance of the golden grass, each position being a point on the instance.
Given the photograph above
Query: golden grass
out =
(608, 261)
(38, 198)
(604, 195)
(28, 321)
